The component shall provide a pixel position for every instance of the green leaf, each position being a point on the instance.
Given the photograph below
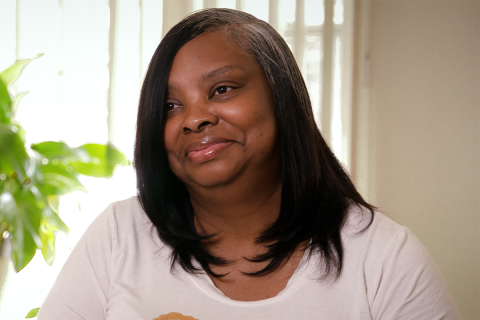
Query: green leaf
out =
(32, 313)
(16, 101)
(8, 207)
(50, 225)
(53, 202)
(60, 150)
(22, 256)
(11, 73)
(5, 104)
(7, 77)
(48, 244)
(58, 224)
(104, 159)
(23, 213)
(95, 160)
(59, 179)
(13, 155)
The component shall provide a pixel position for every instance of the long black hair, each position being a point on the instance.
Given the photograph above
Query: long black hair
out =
(316, 190)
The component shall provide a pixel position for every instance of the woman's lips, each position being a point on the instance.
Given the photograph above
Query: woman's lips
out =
(210, 152)
(206, 150)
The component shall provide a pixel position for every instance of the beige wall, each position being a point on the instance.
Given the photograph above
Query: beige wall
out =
(423, 128)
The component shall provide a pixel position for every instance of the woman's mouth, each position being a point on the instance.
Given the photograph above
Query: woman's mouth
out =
(206, 150)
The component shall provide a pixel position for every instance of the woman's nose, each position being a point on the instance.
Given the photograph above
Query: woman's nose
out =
(198, 116)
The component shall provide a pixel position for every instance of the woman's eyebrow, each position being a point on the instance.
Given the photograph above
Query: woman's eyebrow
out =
(213, 73)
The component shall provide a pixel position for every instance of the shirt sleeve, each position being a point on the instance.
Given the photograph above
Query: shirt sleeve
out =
(82, 287)
(411, 285)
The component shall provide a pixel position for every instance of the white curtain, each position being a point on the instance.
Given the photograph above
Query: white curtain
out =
(86, 86)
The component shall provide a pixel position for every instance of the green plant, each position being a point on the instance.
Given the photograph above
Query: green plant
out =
(32, 313)
(33, 178)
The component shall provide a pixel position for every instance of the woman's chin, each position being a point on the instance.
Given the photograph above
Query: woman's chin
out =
(212, 178)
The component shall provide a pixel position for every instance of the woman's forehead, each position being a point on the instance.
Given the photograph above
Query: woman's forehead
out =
(210, 54)
(212, 45)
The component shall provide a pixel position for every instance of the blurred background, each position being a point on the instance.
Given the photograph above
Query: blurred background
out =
(395, 86)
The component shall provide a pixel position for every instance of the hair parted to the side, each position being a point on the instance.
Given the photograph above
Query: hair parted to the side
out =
(316, 190)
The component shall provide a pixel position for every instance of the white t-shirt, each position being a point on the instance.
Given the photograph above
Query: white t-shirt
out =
(118, 270)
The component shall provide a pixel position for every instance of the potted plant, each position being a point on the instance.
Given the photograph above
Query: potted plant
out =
(32, 179)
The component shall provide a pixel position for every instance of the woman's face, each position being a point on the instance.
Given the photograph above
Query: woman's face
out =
(221, 122)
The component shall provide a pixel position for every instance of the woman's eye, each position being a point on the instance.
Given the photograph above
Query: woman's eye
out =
(222, 90)
(170, 106)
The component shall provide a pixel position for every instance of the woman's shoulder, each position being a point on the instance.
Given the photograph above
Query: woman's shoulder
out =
(371, 225)
(376, 239)
(394, 267)
(125, 213)
(118, 248)
(125, 217)
(128, 213)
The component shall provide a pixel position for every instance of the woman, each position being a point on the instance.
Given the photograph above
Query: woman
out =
(243, 212)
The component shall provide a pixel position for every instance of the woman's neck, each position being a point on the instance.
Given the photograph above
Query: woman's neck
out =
(238, 214)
